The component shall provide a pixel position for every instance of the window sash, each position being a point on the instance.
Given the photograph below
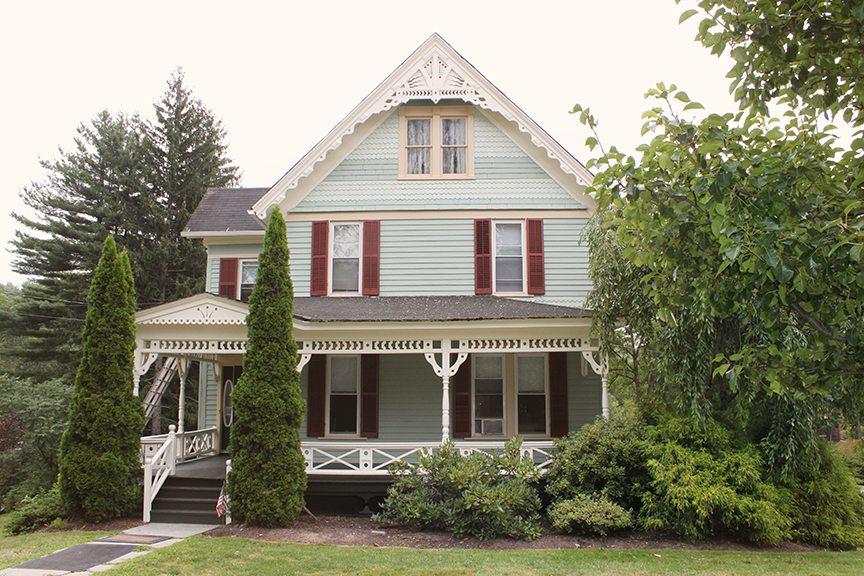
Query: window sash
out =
(488, 404)
(527, 398)
(346, 270)
(510, 253)
(343, 404)
(435, 159)
(243, 269)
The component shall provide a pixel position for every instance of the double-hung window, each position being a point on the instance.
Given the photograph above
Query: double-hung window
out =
(435, 142)
(248, 275)
(531, 391)
(489, 392)
(343, 397)
(509, 260)
(346, 261)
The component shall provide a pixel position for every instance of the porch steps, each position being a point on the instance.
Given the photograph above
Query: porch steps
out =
(187, 501)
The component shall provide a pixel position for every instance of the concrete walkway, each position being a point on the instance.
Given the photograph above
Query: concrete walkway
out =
(105, 553)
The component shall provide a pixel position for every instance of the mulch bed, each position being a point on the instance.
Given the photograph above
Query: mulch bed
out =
(362, 531)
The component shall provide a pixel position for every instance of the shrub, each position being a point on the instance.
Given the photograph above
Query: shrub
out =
(35, 512)
(477, 495)
(99, 452)
(589, 515)
(825, 504)
(268, 477)
(697, 494)
(852, 452)
(605, 459)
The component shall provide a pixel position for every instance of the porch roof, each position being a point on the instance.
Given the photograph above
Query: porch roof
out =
(427, 309)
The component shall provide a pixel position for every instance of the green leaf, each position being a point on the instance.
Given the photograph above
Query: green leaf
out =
(856, 252)
(687, 14)
(694, 106)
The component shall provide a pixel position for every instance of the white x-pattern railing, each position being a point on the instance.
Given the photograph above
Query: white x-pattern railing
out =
(363, 458)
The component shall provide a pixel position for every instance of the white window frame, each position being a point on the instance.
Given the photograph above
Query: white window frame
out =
(327, 433)
(435, 114)
(494, 247)
(505, 403)
(330, 257)
(545, 357)
(240, 262)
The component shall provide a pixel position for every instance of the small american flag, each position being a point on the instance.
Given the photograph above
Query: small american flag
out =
(222, 502)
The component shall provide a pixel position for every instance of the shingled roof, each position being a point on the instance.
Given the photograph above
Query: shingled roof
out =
(226, 210)
(427, 309)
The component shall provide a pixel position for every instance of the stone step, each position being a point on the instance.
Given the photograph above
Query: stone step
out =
(185, 516)
(189, 504)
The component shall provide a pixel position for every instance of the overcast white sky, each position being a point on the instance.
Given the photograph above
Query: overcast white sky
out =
(280, 75)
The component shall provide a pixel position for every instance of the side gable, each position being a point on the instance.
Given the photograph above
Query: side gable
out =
(504, 175)
(435, 71)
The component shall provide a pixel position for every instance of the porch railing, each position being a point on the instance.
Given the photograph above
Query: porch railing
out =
(188, 446)
(158, 468)
(374, 459)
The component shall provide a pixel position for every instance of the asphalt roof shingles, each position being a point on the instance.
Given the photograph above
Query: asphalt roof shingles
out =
(226, 210)
(426, 309)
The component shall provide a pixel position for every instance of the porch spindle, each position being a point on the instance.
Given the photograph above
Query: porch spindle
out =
(181, 408)
(445, 391)
(604, 378)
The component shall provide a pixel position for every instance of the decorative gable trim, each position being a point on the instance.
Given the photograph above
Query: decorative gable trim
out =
(201, 309)
(435, 71)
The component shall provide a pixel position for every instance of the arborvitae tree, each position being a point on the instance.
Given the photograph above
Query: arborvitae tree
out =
(268, 479)
(99, 452)
(185, 153)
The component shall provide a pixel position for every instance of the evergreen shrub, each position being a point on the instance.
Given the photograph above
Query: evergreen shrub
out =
(476, 495)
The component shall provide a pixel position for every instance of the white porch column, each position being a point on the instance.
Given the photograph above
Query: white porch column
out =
(445, 391)
(183, 366)
(604, 380)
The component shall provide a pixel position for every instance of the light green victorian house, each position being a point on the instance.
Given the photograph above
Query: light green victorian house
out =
(439, 267)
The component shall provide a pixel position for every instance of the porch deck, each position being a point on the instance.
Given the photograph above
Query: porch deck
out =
(210, 467)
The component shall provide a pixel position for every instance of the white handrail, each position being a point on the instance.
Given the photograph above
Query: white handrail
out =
(157, 469)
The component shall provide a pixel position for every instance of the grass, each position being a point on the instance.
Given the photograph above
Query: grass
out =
(201, 555)
(17, 549)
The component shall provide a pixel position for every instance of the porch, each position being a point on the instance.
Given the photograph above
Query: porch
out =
(382, 386)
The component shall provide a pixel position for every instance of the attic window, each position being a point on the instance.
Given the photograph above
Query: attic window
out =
(435, 142)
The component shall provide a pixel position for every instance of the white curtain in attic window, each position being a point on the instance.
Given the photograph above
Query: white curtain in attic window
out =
(419, 146)
(346, 257)
(454, 143)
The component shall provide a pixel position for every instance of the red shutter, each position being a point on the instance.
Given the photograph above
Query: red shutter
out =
(558, 394)
(462, 401)
(536, 267)
(316, 390)
(369, 370)
(228, 277)
(320, 248)
(482, 256)
(371, 257)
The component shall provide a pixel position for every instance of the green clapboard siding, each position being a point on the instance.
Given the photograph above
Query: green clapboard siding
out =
(207, 395)
(504, 177)
(436, 257)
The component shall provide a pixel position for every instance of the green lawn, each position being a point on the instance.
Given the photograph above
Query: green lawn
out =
(16, 549)
(201, 555)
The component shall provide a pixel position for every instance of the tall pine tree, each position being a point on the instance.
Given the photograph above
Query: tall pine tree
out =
(99, 452)
(185, 153)
(268, 479)
(136, 180)
(93, 190)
